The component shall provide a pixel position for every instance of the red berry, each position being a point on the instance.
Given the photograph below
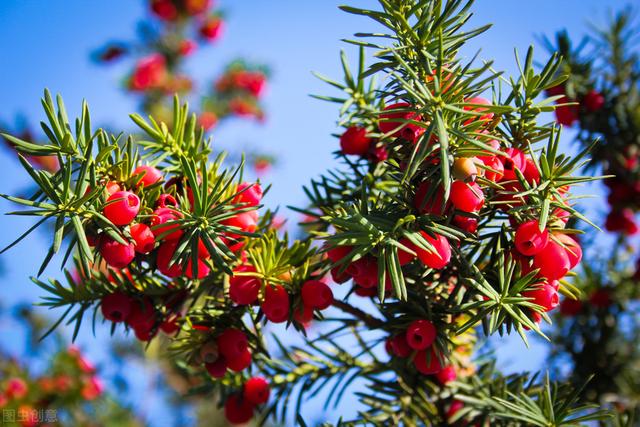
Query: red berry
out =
(339, 277)
(170, 325)
(439, 258)
(276, 303)
(430, 201)
(621, 221)
(303, 314)
(143, 238)
(163, 260)
(400, 346)
(337, 253)
(116, 306)
(465, 223)
(116, 254)
(494, 170)
(552, 261)
(165, 200)
(232, 343)
(593, 101)
(122, 207)
(421, 334)
(405, 257)
(365, 271)
(147, 175)
(202, 269)
(237, 410)
(249, 194)
(478, 100)
(316, 294)
(396, 122)
(196, 7)
(531, 173)
(240, 363)
(515, 159)
(218, 368)
(466, 197)
(256, 390)
(454, 408)
(169, 232)
(355, 141)
(573, 249)
(566, 115)
(164, 9)
(447, 374)
(16, 388)
(570, 307)
(427, 362)
(601, 298)
(544, 295)
(529, 240)
(142, 315)
(187, 47)
(211, 29)
(245, 221)
(365, 292)
(243, 290)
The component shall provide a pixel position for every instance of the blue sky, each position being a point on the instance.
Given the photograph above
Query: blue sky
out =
(46, 43)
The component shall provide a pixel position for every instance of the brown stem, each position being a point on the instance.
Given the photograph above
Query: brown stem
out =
(367, 319)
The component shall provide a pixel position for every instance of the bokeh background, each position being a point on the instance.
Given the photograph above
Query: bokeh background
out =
(47, 43)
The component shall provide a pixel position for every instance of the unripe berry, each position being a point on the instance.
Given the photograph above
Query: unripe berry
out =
(276, 303)
(421, 334)
(256, 390)
(147, 175)
(552, 261)
(143, 238)
(573, 249)
(355, 141)
(240, 363)
(243, 290)
(464, 169)
(122, 207)
(529, 240)
(116, 306)
(249, 194)
(232, 343)
(439, 258)
(544, 295)
(237, 410)
(218, 368)
(395, 122)
(430, 366)
(316, 294)
(466, 197)
(116, 254)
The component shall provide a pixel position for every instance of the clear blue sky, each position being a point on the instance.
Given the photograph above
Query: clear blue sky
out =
(46, 43)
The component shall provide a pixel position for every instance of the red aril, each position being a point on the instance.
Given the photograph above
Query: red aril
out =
(143, 237)
(122, 207)
(573, 249)
(529, 240)
(276, 303)
(116, 254)
(544, 295)
(163, 260)
(243, 290)
(256, 390)
(355, 141)
(552, 261)
(147, 175)
(116, 306)
(396, 124)
(238, 410)
(466, 197)
(232, 343)
(316, 294)
(249, 194)
(427, 362)
(421, 334)
(162, 224)
(440, 257)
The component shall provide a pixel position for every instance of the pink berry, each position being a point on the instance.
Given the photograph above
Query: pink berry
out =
(147, 175)
(249, 194)
(122, 207)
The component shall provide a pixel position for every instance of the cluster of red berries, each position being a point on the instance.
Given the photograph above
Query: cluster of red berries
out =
(237, 92)
(239, 408)
(417, 343)
(72, 378)
(600, 298)
(622, 199)
(589, 103)
(551, 255)
(229, 350)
